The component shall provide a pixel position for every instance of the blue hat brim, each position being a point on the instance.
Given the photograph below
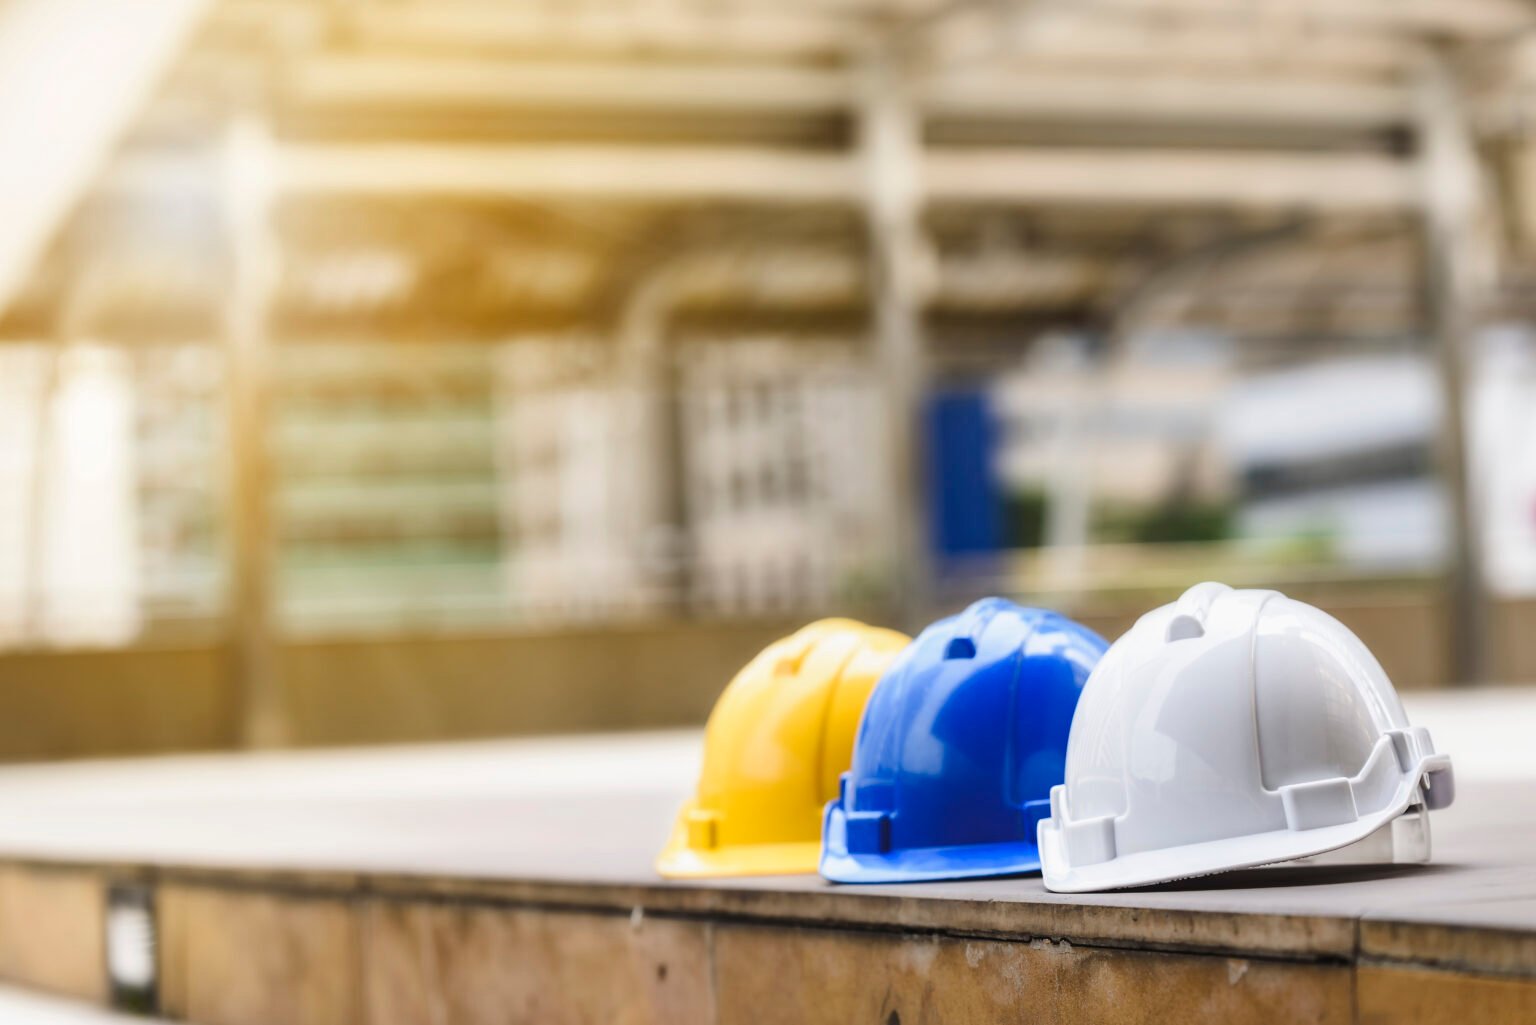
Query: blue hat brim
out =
(920, 864)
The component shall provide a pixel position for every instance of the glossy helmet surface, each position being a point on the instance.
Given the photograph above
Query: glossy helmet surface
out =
(960, 745)
(1230, 729)
(778, 738)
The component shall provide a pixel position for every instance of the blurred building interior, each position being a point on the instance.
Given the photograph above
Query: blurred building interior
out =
(397, 369)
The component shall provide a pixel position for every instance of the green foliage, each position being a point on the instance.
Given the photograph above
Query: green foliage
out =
(1167, 523)
(1025, 513)
(1024, 518)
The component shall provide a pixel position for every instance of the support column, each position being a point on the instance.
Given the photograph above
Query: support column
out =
(890, 139)
(247, 187)
(1069, 507)
(1456, 275)
(655, 472)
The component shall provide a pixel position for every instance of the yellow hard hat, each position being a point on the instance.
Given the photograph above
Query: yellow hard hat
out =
(780, 736)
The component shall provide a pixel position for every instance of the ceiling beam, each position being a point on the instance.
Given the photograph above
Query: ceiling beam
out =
(765, 31)
(332, 80)
(1468, 19)
(1173, 178)
(649, 174)
(1350, 34)
(1082, 39)
(1001, 177)
(682, 88)
(1252, 100)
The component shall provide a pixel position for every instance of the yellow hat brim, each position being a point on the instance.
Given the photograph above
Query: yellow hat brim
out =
(769, 859)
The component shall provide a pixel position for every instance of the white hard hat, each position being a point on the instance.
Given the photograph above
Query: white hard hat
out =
(1233, 729)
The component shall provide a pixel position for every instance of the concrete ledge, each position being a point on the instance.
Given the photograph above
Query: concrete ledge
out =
(21, 1007)
(511, 882)
(243, 948)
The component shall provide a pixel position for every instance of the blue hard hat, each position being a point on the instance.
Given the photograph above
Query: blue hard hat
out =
(960, 744)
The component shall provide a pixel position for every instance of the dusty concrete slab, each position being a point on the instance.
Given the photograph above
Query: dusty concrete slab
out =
(20, 1007)
(594, 851)
(469, 882)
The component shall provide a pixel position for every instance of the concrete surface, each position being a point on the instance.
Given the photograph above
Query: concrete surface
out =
(588, 807)
(20, 1007)
(468, 883)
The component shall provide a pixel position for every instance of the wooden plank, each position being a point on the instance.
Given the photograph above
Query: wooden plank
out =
(485, 965)
(52, 927)
(241, 950)
(773, 975)
(234, 957)
(1389, 995)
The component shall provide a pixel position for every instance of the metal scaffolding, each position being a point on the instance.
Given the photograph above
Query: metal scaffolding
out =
(1210, 123)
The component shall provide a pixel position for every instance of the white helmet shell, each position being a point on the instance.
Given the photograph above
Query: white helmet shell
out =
(1232, 729)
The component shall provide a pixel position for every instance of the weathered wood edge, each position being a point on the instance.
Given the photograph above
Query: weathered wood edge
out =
(1306, 937)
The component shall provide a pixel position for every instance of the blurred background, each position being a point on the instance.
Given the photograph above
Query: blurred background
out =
(381, 370)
